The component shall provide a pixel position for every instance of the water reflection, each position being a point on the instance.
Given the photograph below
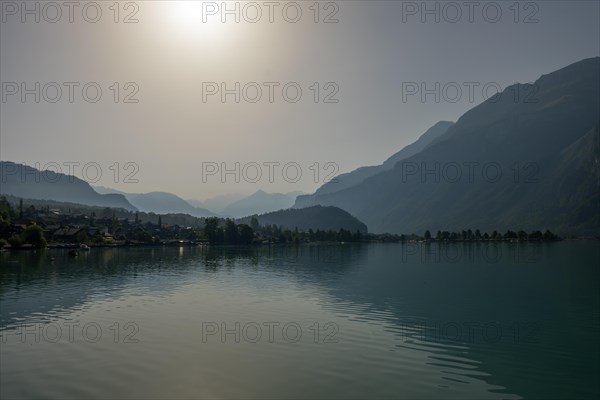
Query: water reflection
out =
(417, 320)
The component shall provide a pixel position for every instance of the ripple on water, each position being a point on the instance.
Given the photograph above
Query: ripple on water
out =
(381, 349)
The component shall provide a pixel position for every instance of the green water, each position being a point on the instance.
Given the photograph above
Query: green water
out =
(339, 321)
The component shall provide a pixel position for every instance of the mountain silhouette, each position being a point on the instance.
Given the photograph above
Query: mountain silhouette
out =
(526, 161)
(24, 181)
(160, 203)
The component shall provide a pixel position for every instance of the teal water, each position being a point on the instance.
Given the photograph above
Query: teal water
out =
(332, 321)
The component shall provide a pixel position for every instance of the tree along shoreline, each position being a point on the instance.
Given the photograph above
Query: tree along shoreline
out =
(24, 227)
(32, 239)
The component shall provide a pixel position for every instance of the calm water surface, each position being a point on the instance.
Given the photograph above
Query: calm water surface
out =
(340, 321)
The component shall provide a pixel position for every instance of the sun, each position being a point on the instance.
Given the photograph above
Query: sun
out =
(187, 19)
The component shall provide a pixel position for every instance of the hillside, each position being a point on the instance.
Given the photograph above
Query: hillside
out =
(316, 217)
(344, 181)
(260, 202)
(543, 146)
(160, 203)
(27, 182)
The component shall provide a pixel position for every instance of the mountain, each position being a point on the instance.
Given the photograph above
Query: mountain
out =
(196, 203)
(355, 177)
(27, 182)
(294, 194)
(106, 190)
(160, 203)
(579, 183)
(260, 202)
(166, 203)
(218, 203)
(528, 161)
(316, 217)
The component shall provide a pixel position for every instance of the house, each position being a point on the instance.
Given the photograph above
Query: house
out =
(50, 229)
(67, 235)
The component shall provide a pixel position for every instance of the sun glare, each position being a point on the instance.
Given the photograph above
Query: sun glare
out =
(188, 21)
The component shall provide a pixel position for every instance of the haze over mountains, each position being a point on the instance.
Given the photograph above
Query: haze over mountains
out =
(526, 159)
(344, 181)
(217, 203)
(160, 203)
(236, 206)
(27, 182)
(260, 202)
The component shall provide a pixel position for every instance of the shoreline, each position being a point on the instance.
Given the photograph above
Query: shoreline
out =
(77, 246)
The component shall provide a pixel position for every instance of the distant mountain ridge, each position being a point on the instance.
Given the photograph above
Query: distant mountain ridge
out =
(546, 154)
(217, 203)
(546, 150)
(160, 203)
(260, 202)
(355, 177)
(24, 181)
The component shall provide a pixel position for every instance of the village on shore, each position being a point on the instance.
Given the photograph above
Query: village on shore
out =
(28, 226)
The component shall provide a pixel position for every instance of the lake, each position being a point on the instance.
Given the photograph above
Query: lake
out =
(443, 321)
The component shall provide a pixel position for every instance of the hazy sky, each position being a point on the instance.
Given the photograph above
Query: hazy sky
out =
(170, 61)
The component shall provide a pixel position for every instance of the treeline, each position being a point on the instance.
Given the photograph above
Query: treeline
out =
(33, 235)
(277, 233)
(469, 235)
(42, 222)
(228, 232)
(324, 218)
(218, 231)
